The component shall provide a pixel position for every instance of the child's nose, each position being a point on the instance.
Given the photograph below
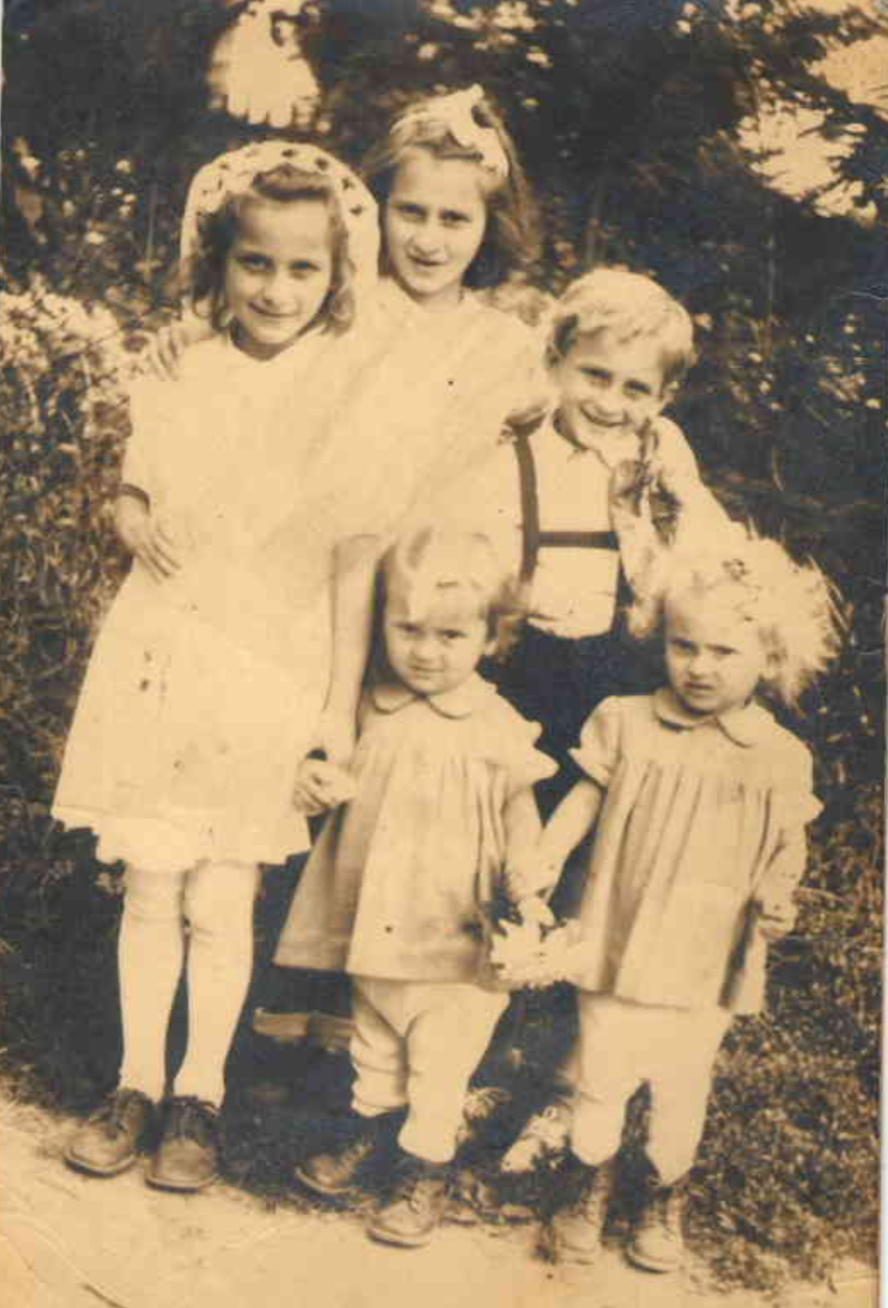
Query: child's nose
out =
(701, 662)
(424, 647)
(428, 237)
(275, 288)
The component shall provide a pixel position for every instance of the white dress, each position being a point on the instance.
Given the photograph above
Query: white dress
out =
(428, 391)
(203, 690)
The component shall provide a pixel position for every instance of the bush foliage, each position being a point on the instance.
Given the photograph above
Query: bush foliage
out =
(636, 135)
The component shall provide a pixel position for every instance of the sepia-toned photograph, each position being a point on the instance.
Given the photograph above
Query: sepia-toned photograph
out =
(442, 698)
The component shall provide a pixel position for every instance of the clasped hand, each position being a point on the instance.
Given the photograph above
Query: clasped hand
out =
(321, 786)
(146, 537)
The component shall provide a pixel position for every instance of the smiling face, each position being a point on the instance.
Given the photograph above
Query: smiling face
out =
(278, 271)
(434, 221)
(437, 649)
(714, 659)
(608, 387)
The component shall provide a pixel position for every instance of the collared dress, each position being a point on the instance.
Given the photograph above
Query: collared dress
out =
(203, 690)
(700, 815)
(396, 886)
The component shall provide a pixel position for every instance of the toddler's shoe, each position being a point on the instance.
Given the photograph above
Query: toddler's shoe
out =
(657, 1242)
(110, 1139)
(336, 1172)
(417, 1204)
(577, 1223)
(545, 1136)
(188, 1156)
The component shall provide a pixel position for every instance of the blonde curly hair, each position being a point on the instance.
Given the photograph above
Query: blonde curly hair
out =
(796, 609)
(431, 562)
(631, 306)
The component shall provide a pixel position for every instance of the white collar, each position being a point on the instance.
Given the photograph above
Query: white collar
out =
(389, 696)
(744, 726)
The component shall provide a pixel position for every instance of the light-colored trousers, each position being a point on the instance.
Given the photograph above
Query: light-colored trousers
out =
(417, 1043)
(622, 1044)
(216, 901)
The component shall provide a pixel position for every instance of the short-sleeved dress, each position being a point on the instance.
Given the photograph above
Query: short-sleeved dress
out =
(696, 818)
(396, 885)
(202, 691)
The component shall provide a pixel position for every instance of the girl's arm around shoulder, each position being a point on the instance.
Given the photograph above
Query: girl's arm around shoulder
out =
(680, 478)
(354, 573)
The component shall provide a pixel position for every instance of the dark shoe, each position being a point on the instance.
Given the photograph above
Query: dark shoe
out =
(657, 1243)
(416, 1207)
(110, 1139)
(188, 1156)
(579, 1218)
(337, 1171)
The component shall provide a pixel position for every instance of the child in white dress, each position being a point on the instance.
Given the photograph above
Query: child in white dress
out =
(437, 373)
(697, 800)
(396, 889)
(212, 668)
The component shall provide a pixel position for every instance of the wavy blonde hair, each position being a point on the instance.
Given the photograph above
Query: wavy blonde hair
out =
(631, 306)
(796, 610)
(204, 277)
(512, 239)
(432, 563)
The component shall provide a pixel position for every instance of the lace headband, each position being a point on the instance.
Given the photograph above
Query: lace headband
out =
(233, 174)
(455, 113)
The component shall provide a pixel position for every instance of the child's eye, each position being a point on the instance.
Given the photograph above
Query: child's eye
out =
(638, 389)
(453, 635)
(303, 269)
(596, 374)
(723, 651)
(681, 646)
(253, 262)
(453, 219)
(409, 211)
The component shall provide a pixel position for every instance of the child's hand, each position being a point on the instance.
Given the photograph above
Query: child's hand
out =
(321, 786)
(145, 537)
(775, 918)
(162, 355)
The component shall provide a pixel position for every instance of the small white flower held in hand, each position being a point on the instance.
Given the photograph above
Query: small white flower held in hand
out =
(531, 954)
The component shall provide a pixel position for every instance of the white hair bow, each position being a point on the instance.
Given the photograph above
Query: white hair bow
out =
(455, 112)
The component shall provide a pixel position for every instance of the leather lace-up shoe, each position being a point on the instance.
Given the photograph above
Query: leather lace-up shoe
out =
(109, 1140)
(188, 1156)
(657, 1242)
(416, 1207)
(579, 1220)
(338, 1170)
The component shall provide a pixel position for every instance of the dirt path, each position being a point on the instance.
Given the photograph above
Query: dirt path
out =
(69, 1241)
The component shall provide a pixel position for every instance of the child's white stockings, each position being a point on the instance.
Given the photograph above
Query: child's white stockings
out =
(217, 900)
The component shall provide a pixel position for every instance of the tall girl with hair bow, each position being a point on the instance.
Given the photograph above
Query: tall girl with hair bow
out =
(442, 370)
(212, 668)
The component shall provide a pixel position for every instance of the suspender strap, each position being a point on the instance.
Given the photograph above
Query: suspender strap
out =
(530, 508)
(532, 539)
(589, 540)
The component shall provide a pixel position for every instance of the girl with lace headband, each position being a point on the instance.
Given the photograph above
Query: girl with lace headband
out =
(436, 371)
(211, 671)
(696, 802)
